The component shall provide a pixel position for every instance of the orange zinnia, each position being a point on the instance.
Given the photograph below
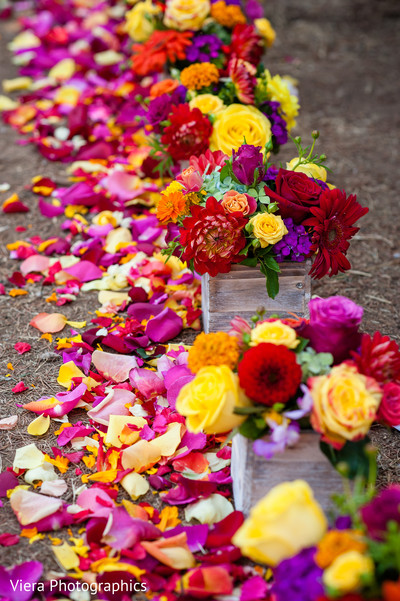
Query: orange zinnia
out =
(227, 15)
(165, 86)
(161, 46)
(171, 206)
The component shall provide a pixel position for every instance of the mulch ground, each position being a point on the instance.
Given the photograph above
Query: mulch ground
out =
(345, 56)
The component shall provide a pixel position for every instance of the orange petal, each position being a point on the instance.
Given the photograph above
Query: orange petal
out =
(49, 323)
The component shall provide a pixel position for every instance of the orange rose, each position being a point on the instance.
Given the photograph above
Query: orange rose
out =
(165, 86)
(233, 202)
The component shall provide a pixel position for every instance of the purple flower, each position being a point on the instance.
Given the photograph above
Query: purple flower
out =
(271, 174)
(203, 48)
(295, 245)
(381, 510)
(333, 326)
(254, 10)
(245, 161)
(298, 578)
(278, 123)
(282, 436)
(159, 109)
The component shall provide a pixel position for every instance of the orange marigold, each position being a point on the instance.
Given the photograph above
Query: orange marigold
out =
(213, 349)
(335, 543)
(227, 15)
(171, 206)
(165, 86)
(199, 75)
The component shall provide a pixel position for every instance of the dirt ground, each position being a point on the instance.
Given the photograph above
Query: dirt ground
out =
(345, 56)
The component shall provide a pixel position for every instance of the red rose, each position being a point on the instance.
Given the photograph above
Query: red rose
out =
(188, 134)
(212, 238)
(295, 194)
(389, 409)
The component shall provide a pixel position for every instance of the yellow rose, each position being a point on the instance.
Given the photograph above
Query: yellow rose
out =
(314, 171)
(186, 14)
(274, 332)
(140, 20)
(236, 124)
(280, 90)
(268, 228)
(344, 574)
(266, 31)
(287, 520)
(207, 103)
(208, 401)
(345, 404)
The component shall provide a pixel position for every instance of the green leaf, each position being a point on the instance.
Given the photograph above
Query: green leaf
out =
(225, 171)
(353, 455)
(249, 262)
(252, 428)
(271, 263)
(272, 283)
(253, 409)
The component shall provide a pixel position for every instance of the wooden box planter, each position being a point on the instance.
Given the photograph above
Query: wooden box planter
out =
(243, 290)
(253, 476)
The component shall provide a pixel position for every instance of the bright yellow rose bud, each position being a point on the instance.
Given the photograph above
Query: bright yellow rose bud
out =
(346, 572)
(310, 169)
(266, 31)
(239, 123)
(186, 14)
(268, 228)
(287, 520)
(207, 103)
(275, 332)
(345, 404)
(208, 401)
(140, 20)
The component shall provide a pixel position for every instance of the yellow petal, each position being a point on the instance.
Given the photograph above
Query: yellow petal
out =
(39, 426)
(19, 83)
(117, 237)
(108, 57)
(68, 371)
(7, 104)
(28, 457)
(135, 485)
(67, 95)
(168, 443)
(63, 70)
(140, 456)
(66, 556)
(23, 41)
(76, 324)
(116, 298)
(117, 424)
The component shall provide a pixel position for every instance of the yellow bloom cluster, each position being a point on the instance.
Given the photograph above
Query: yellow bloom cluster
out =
(279, 90)
(199, 75)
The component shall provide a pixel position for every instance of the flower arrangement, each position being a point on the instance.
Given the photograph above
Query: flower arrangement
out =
(177, 33)
(271, 378)
(355, 560)
(240, 209)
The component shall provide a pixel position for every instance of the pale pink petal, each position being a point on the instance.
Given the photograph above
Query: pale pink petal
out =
(113, 367)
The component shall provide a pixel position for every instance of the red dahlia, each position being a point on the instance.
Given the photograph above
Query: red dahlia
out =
(212, 238)
(246, 44)
(332, 224)
(379, 358)
(242, 74)
(188, 134)
(269, 373)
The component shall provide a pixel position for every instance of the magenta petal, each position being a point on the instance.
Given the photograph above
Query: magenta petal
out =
(7, 482)
(126, 531)
(196, 535)
(84, 271)
(142, 311)
(146, 381)
(28, 573)
(49, 210)
(253, 589)
(164, 326)
(175, 388)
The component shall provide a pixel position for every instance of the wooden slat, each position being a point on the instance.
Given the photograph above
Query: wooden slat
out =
(253, 476)
(242, 292)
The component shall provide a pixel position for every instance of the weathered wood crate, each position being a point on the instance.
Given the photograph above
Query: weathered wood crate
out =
(243, 290)
(253, 476)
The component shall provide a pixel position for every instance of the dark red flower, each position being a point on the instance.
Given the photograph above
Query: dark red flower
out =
(246, 44)
(269, 373)
(188, 134)
(161, 46)
(379, 358)
(389, 409)
(295, 193)
(332, 224)
(212, 238)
